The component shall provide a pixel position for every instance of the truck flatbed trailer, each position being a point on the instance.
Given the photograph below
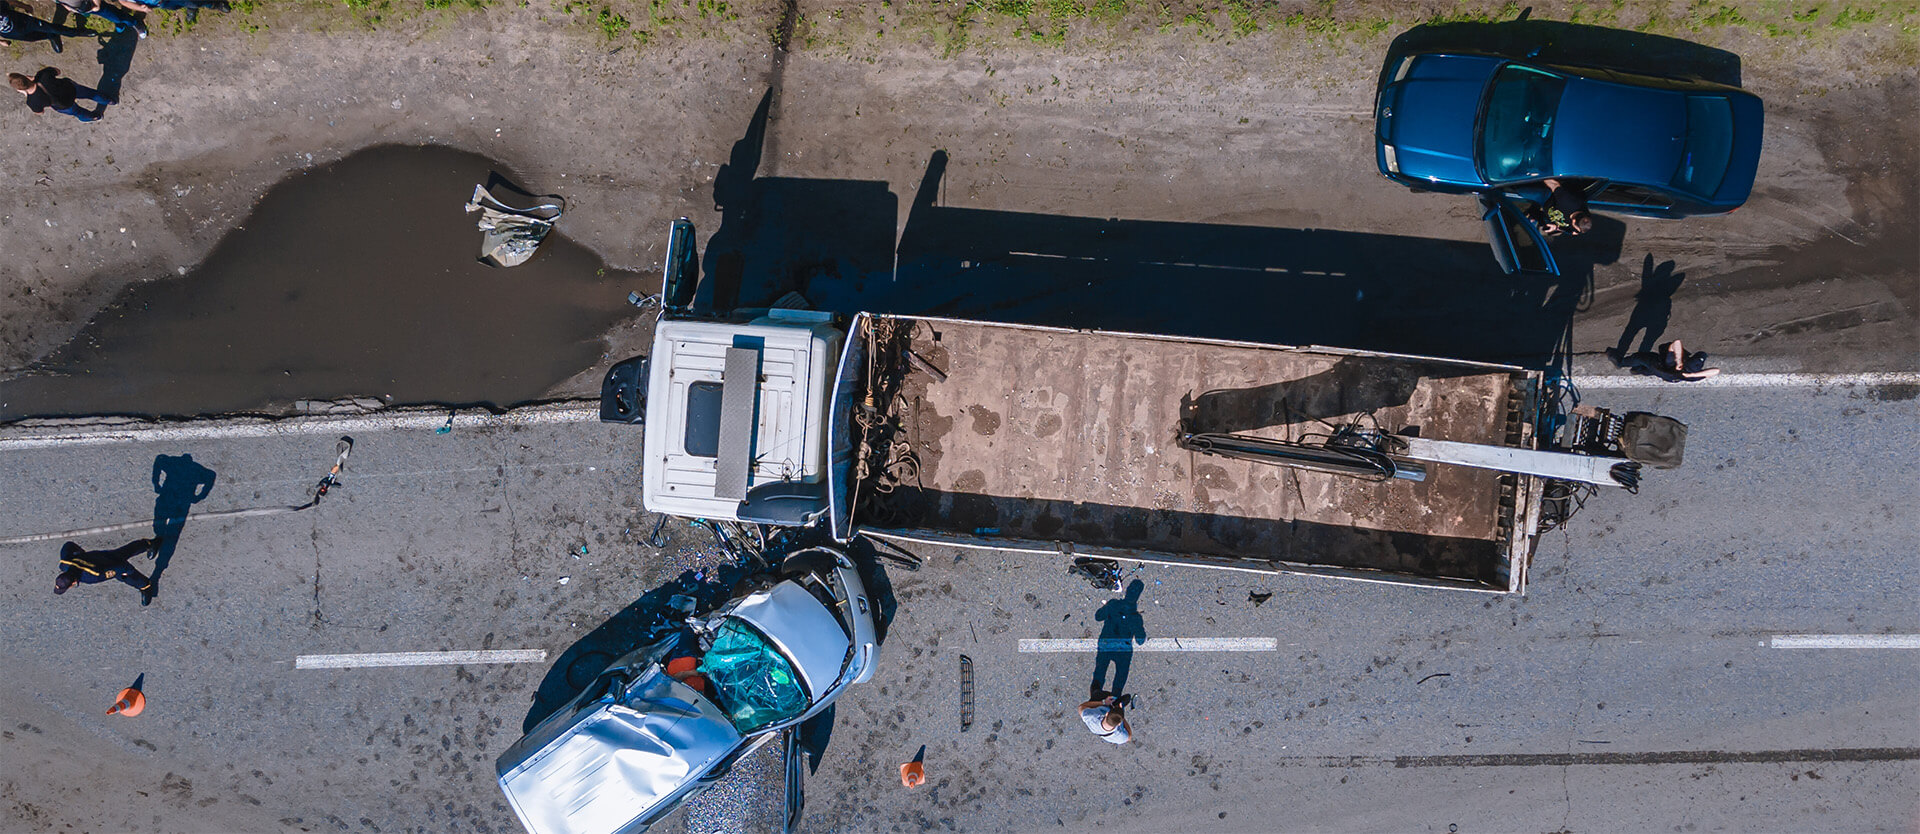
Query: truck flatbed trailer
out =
(1066, 441)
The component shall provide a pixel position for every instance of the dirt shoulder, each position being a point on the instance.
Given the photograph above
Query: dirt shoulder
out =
(1214, 113)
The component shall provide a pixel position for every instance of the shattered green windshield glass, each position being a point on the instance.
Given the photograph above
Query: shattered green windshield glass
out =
(753, 681)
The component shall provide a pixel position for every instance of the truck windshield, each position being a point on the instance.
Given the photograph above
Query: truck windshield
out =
(1516, 124)
(752, 680)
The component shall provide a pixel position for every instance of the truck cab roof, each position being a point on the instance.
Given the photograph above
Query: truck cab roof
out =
(734, 406)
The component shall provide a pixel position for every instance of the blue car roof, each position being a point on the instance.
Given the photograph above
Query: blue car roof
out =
(1626, 134)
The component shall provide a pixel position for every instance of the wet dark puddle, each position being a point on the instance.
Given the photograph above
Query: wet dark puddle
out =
(355, 279)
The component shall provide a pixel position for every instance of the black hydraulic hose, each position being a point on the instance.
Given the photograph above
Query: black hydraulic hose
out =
(1340, 460)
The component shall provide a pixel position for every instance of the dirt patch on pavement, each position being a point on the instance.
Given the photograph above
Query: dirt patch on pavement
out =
(355, 274)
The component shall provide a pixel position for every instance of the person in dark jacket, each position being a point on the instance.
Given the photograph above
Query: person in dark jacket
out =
(1563, 211)
(121, 20)
(47, 89)
(17, 25)
(79, 565)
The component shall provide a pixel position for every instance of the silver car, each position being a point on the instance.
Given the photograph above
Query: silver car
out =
(639, 741)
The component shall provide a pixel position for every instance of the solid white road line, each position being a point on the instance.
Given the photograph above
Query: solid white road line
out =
(1843, 641)
(1618, 382)
(413, 420)
(350, 661)
(1157, 644)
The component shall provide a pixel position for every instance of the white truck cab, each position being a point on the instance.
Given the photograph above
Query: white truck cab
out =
(736, 429)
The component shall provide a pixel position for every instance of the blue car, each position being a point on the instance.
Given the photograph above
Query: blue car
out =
(1499, 128)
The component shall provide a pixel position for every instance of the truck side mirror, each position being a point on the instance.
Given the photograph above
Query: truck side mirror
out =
(682, 277)
(623, 394)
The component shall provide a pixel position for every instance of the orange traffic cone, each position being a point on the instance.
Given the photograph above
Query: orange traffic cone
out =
(912, 774)
(130, 704)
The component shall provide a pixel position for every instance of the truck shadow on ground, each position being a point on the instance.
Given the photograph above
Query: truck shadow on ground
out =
(1571, 44)
(830, 241)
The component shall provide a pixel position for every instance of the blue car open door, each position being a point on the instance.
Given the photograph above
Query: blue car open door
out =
(1518, 245)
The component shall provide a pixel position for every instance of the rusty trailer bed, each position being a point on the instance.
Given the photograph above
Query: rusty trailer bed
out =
(1060, 440)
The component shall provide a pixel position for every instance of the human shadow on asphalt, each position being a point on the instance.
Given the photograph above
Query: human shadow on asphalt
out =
(179, 482)
(1571, 44)
(1123, 630)
(1652, 305)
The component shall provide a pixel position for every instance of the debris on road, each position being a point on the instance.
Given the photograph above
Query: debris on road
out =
(1102, 574)
(511, 235)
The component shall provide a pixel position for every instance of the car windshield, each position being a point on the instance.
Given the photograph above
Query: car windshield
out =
(1709, 145)
(1516, 126)
(753, 682)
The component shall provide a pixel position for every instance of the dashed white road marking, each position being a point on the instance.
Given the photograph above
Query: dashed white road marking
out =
(351, 661)
(1843, 641)
(1618, 382)
(1157, 644)
(412, 420)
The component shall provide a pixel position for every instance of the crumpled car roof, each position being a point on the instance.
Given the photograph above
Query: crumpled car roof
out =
(620, 759)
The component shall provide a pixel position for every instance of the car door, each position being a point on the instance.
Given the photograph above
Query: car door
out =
(1621, 198)
(1518, 246)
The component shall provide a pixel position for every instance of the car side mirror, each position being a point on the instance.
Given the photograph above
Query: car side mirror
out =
(682, 273)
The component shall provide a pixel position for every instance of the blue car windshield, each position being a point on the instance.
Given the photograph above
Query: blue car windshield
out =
(1709, 146)
(1516, 124)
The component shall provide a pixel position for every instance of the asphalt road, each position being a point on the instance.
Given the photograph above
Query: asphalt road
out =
(1633, 688)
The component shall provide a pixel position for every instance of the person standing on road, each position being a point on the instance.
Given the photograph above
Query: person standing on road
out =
(1106, 717)
(88, 567)
(17, 25)
(106, 11)
(48, 90)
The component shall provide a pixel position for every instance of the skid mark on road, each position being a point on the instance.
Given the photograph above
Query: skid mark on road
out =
(352, 661)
